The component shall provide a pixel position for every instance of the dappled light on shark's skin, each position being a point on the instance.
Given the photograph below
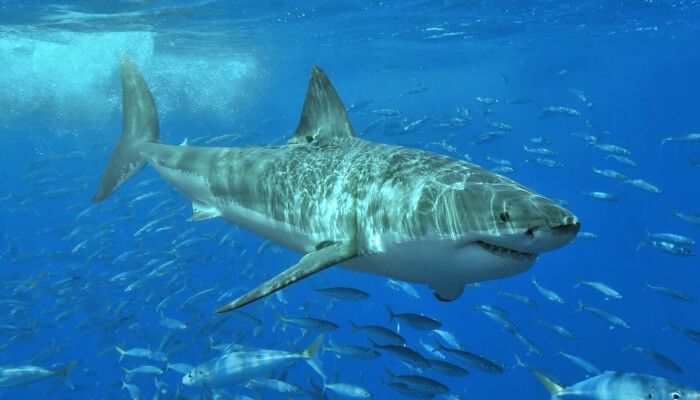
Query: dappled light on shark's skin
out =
(337, 199)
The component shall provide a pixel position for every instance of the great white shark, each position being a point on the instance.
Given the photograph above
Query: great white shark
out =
(389, 210)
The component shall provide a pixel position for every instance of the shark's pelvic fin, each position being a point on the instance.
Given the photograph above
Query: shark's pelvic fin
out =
(311, 263)
(324, 120)
(447, 292)
(140, 126)
(200, 212)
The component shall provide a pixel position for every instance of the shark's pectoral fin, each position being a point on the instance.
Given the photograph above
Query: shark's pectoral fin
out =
(326, 256)
(446, 292)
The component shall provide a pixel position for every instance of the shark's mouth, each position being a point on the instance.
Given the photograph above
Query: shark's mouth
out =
(504, 251)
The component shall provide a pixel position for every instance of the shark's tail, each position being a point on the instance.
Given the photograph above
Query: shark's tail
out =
(140, 126)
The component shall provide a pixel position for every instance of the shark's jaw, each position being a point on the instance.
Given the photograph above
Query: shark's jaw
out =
(445, 266)
(504, 252)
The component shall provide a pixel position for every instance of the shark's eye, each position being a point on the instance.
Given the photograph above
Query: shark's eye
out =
(504, 216)
(675, 396)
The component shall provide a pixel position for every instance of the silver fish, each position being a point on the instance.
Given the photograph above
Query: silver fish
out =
(656, 357)
(547, 293)
(601, 287)
(605, 315)
(672, 293)
(620, 385)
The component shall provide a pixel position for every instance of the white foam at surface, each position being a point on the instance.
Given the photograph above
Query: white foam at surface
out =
(64, 76)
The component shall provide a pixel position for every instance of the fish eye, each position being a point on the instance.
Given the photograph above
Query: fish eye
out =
(675, 396)
(505, 217)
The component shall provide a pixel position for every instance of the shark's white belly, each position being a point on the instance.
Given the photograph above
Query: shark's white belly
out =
(445, 265)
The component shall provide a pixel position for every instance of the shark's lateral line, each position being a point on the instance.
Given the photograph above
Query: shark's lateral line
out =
(389, 210)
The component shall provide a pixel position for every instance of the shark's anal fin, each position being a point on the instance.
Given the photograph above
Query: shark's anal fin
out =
(311, 263)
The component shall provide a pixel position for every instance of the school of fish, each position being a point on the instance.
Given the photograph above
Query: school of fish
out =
(98, 276)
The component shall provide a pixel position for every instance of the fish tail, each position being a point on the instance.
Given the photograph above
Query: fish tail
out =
(518, 361)
(674, 211)
(129, 375)
(391, 313)
(389, 373)
(278, 315)
(310, 354)
(121, 353)
(552, 387)
(580, 281)
(65, 371)
(354, 327)
(372, 342)
(580, 306)
(629, 345)
(140, 126)
(313, 347)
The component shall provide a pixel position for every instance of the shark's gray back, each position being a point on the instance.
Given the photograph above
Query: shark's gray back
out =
(351, 189)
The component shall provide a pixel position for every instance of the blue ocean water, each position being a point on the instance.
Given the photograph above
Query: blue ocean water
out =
(235, 74)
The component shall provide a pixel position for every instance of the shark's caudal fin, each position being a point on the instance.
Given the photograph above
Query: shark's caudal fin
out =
(140, 126)
(324, 120)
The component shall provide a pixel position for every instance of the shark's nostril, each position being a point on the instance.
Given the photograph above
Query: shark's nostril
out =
(531, 233)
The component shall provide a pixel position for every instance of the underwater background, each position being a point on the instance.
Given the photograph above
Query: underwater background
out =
(76, 278)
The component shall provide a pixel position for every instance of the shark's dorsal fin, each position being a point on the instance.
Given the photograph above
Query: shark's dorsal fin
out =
(324, 120)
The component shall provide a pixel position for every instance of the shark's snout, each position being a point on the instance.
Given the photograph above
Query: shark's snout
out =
(551, 237)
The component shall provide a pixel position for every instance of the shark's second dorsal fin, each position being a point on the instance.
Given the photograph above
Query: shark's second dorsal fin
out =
(324, 120)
